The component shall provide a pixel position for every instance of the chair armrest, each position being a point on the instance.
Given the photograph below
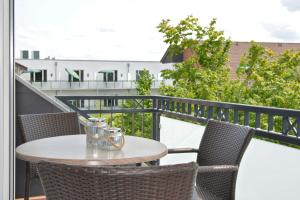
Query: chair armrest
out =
(218, 168)
(182, 150)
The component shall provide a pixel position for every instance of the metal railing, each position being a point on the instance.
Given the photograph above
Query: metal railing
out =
(272, 123)
(93, 85)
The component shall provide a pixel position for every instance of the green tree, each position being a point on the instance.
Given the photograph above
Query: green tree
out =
(205, 74)
(271, 79)
(144, 83)
(138, 124)
(265, 78)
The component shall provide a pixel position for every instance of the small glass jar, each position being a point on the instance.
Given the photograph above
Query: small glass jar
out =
(94, 131)
(113, 139)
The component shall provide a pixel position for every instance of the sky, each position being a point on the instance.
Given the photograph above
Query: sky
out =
(126, 29)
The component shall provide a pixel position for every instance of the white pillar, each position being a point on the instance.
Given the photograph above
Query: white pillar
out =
(6, 101)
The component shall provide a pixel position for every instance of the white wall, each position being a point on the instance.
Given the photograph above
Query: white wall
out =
(91, 67)
(6, 105)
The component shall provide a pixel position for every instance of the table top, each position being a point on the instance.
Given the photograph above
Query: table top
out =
(72, 149)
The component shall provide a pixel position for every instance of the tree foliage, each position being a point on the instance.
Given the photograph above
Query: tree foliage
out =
(271, 79)
(144, 83)
(265, 78)
(138, 124)
(209, 46)
(205, 74)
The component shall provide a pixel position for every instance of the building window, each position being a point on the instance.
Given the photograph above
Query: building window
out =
(110, 76)
(24, 54)
(40, 76)
(80, 73)
(35, 55)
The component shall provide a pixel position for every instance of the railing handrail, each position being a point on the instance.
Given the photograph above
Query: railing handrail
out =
(244, 107)
(203, 110)
(93, 84)
(229, 105)
(101, 81)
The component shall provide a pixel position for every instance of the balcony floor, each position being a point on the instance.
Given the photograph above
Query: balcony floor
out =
(267, 171)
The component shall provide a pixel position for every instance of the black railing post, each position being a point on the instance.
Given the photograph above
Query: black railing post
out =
(155, 120)
(298, 126)
(155, 125)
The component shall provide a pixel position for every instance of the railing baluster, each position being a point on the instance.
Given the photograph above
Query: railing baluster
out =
(159, 104)
(196, 110)
(177, 107)
(111, 108)
(270, 122)
(111, 119)
(172, 106)
(100, 106)
(246, 118)
(285, 125)
(189, 108)
(122, 121)
(183, 108)
(257, 120)
(210, 111)
(143, 124)
(226, 117)
(235, 116)
(202, 110)
(154, 118)
(219, 113)
(298, 126)
(132, 124)
(167, 104)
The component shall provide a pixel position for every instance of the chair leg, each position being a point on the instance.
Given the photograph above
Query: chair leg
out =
(27, 182)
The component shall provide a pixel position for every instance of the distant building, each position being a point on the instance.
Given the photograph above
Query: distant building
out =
(238, 49)
(24, 54)
(89, 77)
(35, 55)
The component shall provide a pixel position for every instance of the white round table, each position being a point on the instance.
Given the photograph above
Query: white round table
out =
(72, 149)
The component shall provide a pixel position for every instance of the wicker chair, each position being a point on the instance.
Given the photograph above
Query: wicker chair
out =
(38, 126)
(65, 182)
(220, 153)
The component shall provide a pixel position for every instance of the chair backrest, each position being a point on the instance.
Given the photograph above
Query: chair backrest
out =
(173, 182)
(38, 126)
(222, 144)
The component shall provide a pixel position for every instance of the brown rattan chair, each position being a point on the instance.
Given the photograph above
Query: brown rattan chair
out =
(221, 149)
(66, 182)
(38, 126)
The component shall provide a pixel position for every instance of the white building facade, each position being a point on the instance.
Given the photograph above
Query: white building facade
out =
(90, 77)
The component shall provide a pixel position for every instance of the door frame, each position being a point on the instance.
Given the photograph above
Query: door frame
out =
(7, 101)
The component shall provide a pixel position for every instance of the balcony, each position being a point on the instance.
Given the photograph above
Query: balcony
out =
(93, 85)
(269, 167)
(268, 170)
